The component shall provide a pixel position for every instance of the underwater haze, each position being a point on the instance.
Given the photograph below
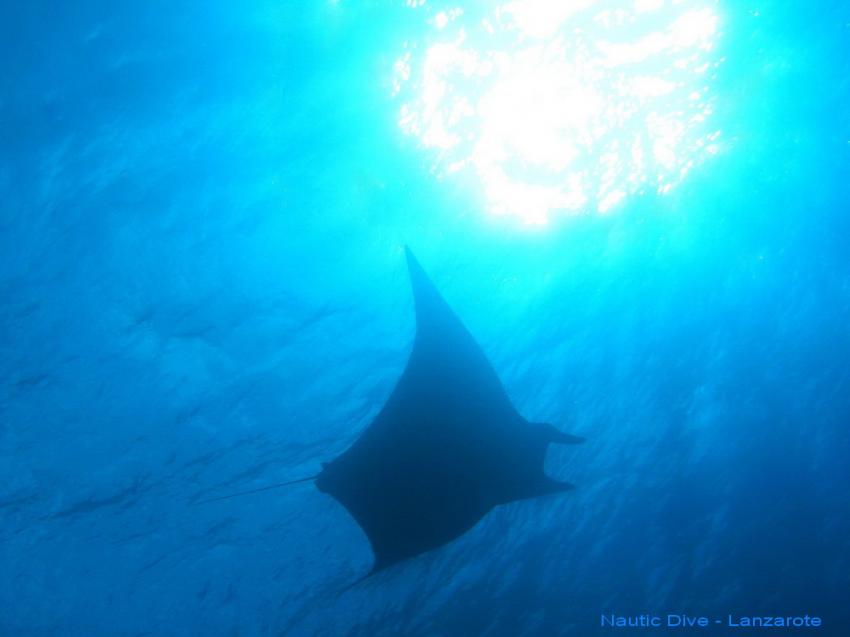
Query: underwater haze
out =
(639, 208)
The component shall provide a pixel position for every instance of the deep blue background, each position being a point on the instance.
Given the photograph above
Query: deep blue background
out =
(202, 208)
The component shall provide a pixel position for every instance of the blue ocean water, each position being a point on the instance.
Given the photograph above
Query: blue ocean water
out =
(204, 208)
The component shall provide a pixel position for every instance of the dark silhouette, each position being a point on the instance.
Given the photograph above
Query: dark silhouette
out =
(447, 447)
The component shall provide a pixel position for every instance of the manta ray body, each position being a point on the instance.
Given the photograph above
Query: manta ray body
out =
(447, 447)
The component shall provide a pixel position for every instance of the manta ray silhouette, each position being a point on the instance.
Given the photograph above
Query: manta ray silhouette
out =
(446, 448)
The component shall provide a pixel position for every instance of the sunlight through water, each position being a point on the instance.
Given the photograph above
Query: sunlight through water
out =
(562, 108)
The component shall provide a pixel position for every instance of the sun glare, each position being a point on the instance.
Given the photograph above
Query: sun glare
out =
(562, 108)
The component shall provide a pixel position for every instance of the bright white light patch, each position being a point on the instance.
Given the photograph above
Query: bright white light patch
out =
(563, 107)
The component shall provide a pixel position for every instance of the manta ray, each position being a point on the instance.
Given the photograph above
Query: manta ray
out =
(446, 448)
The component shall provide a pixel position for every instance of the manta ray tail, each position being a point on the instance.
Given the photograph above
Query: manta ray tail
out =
(374, 571)
(561, 438)
(249, 492)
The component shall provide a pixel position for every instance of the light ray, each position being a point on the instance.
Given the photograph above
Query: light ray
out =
(562, 108)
